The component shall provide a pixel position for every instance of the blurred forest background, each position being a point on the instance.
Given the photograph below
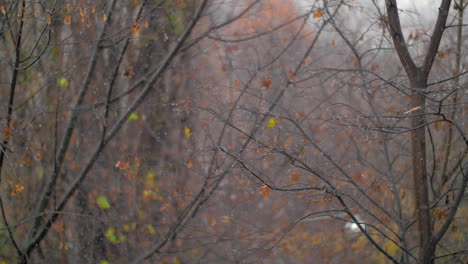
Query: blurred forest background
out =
(233, 131)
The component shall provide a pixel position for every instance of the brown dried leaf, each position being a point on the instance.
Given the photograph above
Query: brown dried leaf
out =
(264, 190)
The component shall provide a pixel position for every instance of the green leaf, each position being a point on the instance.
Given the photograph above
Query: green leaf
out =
(176, 22)
(129, 227)
(62, 82)
(165, 97)
(110, 235)
(103, 202)
(151, 229)
(104, 262)
(133, 116)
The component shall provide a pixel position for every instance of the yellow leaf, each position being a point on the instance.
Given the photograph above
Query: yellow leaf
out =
(318, 14)
(133, 116)
(264, 190)
(359, 243)
(63, 83)
(391, 248)
(271, 123)
(3, 12)
(187, 132)
(150, 178)
(227, 219)
(104, 17)
(63, 245)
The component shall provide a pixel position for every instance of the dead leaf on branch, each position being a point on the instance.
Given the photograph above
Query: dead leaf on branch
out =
(295, 176)
(267, 83)
(318, 14)
(412, 110)
(122, 165)
(8, 131)
(264, 190)
(17, 189)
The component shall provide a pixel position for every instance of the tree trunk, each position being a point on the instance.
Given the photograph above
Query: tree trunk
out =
(418, 80)
(420, 180)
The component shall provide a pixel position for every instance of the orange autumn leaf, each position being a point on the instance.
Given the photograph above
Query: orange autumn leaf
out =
(442, 54)
(122, 165)
(136, 30)
(129, 72)
(26, 161)
(180, 3)
(318, 14)
(375, 67)
(165, 207)
(212, 221)
(137, 162)
(264, 190)
(236, 84)
(267, 83)
(17, 188)
(67, 19)
(295, 176)
(8, 131)
(190, 164)
(288, 142)
(38, 154)
(356, 176)
(291, 74)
